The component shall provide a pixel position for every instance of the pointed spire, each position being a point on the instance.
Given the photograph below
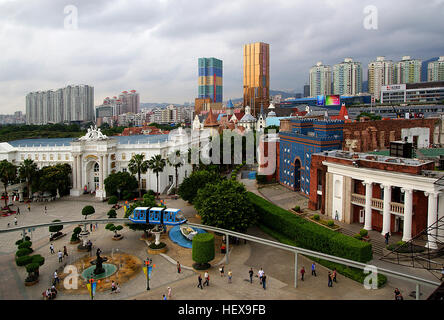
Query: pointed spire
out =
(211, 120)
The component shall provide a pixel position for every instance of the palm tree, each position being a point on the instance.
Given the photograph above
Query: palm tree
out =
(27, 171)
(156, 164)
(178, 162)
(139, 166)
(8, 173)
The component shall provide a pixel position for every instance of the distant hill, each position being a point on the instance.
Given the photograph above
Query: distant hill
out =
(285, 95)
(424, 68)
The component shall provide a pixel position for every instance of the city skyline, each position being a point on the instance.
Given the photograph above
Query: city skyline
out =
(159, 62)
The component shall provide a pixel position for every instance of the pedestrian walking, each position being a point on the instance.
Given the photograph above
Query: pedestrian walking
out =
(221, 270)
(90, 227)
(207, 279)
(46, 210)
(199, 279)
(97, 226)
(15, 220)
(117, 288)
(313, 269)
(334, 275)
(65, 251)
(178, 267)
(113, 287)
(56, 277)
(302, 273)
(251, 272)
(330, 281)
(230, 275)
(60, 254)
(29, 207)
(264, 280)
(18, 210)
(387, 236)
(169, 292)
(442, 273)
(164, 297)
(260, 273)
(51, 248)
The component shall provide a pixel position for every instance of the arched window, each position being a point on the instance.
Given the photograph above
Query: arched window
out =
(96, 167)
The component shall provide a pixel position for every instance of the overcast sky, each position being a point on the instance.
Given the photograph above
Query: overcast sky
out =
(152, 46)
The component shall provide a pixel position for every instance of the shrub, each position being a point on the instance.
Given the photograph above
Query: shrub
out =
(88, 210)
(75, 233)
(151, 192)
(363, 232)
(330, 223)
(23, 260)
(32, 267)
(308, 234)
(18, 242)
(159, 246)
(400, 243)
(38, 259)
(127, 195)
(113, 200)
(25, 244)
(357, 236)
(55, 228)
(260, 178)
(297, 208)
(23, 252)
(112, 213)
(316, 217)
(203, 248)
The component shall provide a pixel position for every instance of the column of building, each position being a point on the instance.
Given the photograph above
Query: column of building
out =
(368, 205)
(432, 217)
(101, 172)
(386, 215)
(74, 172)
(408, 214)
(79, 172)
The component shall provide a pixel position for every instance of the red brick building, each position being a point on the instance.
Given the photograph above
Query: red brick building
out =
(386, 194)
(370, 135)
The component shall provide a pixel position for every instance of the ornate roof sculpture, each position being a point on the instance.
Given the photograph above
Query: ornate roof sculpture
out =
(93, 134)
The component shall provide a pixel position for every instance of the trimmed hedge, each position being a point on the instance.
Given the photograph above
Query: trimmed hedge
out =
(203, 248)
(23, 260)
(23, 252)
(113, 200)
(309, 235)
(25, 244)
(38, 259)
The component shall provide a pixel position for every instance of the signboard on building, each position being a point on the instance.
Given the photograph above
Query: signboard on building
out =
(320, 100)
(333, 100)
(394, 87)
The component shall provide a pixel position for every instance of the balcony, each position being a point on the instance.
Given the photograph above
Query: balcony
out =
(377, 204)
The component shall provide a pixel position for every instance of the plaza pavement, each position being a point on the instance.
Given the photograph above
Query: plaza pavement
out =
(277, 264)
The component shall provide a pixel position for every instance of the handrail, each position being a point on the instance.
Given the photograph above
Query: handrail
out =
(275, 244)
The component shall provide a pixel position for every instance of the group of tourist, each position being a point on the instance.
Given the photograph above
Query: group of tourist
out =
(50, 293)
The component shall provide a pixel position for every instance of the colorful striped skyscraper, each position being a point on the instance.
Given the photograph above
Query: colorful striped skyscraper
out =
(210, 79)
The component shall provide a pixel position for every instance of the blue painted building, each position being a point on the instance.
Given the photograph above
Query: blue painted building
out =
(299, 139)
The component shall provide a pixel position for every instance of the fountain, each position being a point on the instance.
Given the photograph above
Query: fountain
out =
(99, 269)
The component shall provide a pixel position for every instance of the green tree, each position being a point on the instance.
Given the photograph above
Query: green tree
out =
(53, 178)
(120, 180)
(157, 164)
(225, 205)
(176, 160)
(203, 250)
(56, 229)
(28, 171)
(114, 228)
(8, 174)
(197, 180)
(88, 210)
(138, 166)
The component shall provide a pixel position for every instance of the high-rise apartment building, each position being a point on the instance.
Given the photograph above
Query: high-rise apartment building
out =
(210, 79)
(256, 76)
(130, 102)
(380, 73)
(320, 80)
(72, 103)
(306, 90)
(408, 70)
(435, 70)
(347, 78)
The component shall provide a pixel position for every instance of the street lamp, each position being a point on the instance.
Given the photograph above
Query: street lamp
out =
(147, 270)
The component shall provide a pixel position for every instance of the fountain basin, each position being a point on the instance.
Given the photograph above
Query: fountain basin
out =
(88, 273)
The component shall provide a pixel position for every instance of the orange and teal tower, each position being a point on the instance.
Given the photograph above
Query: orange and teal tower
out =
(210, 79)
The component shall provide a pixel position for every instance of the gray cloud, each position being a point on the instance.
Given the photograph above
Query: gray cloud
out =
(152, 46)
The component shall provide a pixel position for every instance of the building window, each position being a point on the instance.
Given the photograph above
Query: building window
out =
(123, 156)
(22, 156)
(51, 157)
(124, 170)
(143, 183)
(66, 157)
(96, 167)
(44, 156)
(36, 156)
(59, 156)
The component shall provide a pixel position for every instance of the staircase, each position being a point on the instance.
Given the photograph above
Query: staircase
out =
(377, 244)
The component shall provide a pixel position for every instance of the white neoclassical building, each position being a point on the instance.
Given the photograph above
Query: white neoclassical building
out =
(94, 156)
